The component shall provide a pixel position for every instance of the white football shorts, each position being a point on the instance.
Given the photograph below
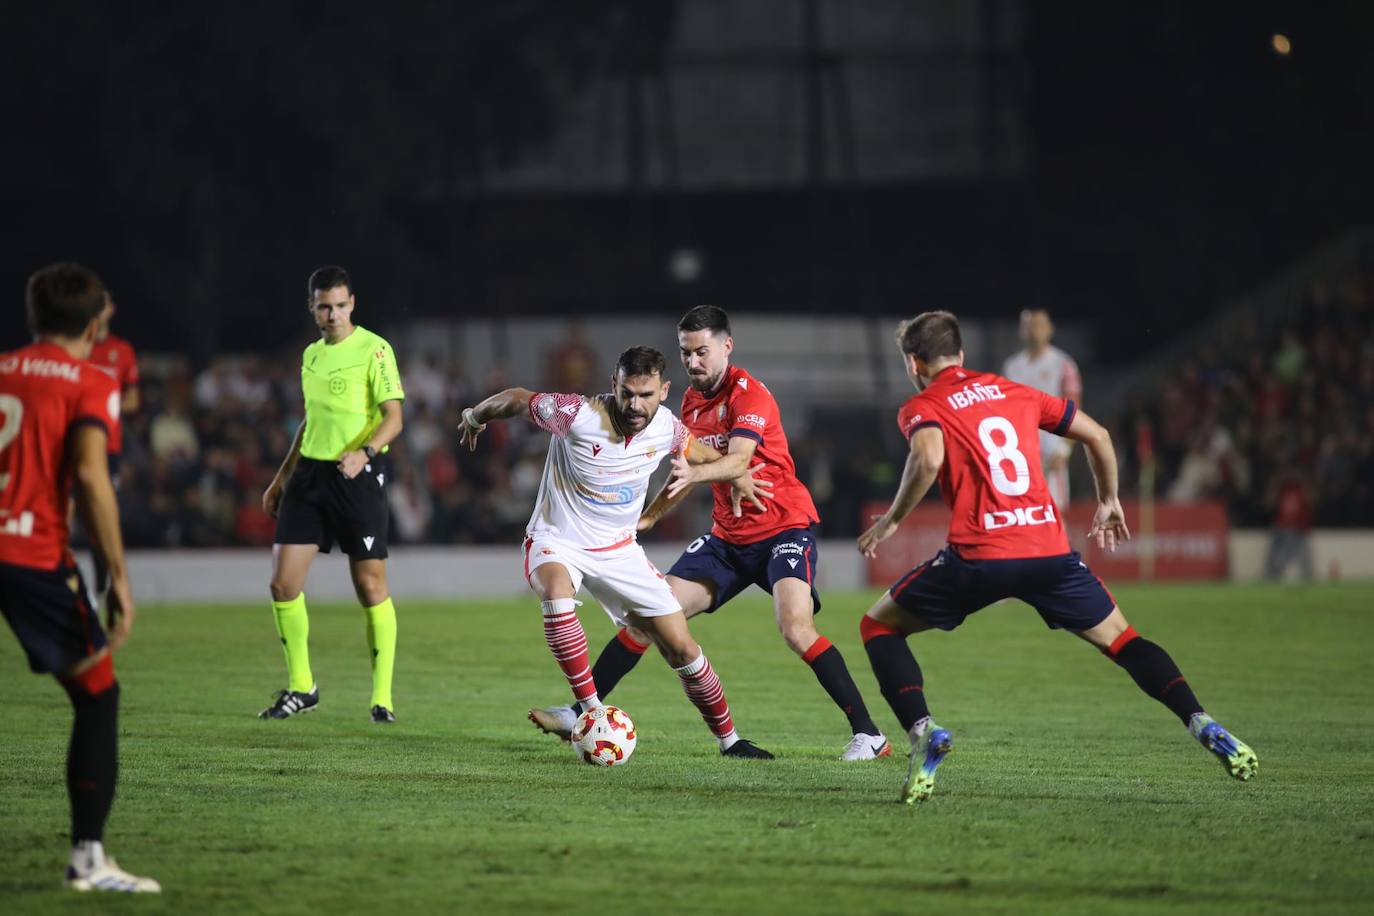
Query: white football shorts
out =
(622, 580)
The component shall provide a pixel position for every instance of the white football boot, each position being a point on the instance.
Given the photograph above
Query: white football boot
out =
(555, 720)
(867, 747)
(92, 870)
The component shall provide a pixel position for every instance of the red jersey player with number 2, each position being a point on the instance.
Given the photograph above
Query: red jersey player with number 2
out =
(57, 411)
(979, 434)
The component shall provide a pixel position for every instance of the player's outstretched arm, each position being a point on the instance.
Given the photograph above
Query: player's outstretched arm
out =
(500, 406)
(1109, 521)
(95, 500)
(743, 487)
(709, 466)
(668, 498)
(922, 466)
(271, 498)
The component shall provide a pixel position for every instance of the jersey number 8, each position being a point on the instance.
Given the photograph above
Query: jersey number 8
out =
(1006, 452)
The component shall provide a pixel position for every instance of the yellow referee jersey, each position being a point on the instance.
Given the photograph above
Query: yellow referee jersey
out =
(344, 385)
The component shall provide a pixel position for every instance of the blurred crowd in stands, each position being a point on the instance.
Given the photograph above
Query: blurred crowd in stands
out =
(1278, 424)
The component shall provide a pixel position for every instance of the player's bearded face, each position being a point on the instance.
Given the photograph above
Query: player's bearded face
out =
(705, 355)
(637, 398)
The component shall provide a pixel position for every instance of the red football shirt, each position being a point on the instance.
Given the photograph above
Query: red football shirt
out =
(44, 393)
(745, 407)
(992, 479)
(115, 357)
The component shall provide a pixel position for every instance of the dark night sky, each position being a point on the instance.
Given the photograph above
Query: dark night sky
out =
(204, 162)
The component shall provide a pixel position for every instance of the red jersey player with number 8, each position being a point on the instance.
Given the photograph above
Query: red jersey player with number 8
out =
(978, 433)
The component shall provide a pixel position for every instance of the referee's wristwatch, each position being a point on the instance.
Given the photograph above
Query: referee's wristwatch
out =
(370, 452)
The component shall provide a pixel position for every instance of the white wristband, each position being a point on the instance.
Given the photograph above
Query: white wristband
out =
(470, 420)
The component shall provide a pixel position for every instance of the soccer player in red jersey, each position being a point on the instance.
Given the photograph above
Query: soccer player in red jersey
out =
(114, 356)
(774, 547)
(57, 412)
(979, 434)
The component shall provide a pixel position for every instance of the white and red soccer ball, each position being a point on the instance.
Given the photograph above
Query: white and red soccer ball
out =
(604, 736)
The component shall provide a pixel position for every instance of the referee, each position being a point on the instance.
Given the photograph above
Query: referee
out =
(330, 489)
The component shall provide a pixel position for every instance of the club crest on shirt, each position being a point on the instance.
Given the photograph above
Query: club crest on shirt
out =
(337, 385)
(720, 414)
(651, 453)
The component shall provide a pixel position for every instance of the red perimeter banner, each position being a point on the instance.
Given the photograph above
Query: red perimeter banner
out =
(1190, 541)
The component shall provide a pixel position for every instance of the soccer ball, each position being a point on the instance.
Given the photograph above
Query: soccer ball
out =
(604, 736)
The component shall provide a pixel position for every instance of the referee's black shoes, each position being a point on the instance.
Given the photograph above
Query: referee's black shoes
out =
(290, 702)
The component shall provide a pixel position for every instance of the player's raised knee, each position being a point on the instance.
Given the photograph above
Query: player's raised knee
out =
(637, 636)
(283, 590)
(92, 679)
(371, 588)
(679, 654)
(799, 636)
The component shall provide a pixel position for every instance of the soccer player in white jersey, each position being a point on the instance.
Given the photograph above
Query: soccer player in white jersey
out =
(1048, 368)
(582, 532)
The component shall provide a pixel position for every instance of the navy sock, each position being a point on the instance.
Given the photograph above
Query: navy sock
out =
(1155, 673)
(615, 661)
(92, 760)
(828, 665)
(898, 674)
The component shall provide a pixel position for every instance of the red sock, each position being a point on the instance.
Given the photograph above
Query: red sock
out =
(703, 689)
(568, 642)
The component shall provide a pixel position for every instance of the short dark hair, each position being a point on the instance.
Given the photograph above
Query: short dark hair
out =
(641, 361)
(706, 318)
(930, 336)
(327, 277)
(63, 299)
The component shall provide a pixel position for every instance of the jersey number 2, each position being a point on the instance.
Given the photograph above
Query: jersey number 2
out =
(13, 410)
(998, 455)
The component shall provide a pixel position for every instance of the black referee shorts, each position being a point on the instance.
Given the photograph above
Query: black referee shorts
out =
(50, 613)
(321, 506)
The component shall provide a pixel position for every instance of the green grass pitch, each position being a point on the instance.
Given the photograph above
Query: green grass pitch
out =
(1068, 790)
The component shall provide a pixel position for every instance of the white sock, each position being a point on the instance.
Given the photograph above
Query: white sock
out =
(693, 667)
(87, 856)
(592, 702)
(919, 730)
(728, 741)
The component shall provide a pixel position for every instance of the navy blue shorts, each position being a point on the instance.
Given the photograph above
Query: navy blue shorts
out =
(947, 588)
(731, 568)
(49, 611)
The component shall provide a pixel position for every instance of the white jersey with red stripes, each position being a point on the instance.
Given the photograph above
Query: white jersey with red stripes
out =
(595, 479)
